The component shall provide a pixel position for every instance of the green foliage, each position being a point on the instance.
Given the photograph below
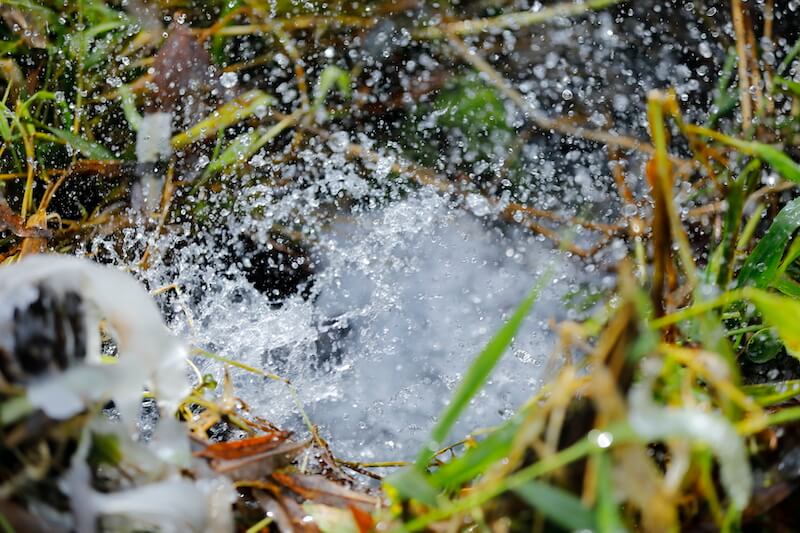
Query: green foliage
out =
(413, 482)
(89, 149)
(761, 266)
(241, 108)
(607, 514)
(104, 449)
(782, 313)
(467, 113)
(725, 99)
(478, 373)
(473, 108)
(477, 459)
(790, 86)
(721, 267)
(558, 505)
(331, 76)
(243, 147)
(468, 116)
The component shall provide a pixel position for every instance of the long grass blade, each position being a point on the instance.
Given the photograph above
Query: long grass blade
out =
(558, 505)
(774, 157)
(89, 149)
(230, 113)
(478, 373)
(761, 266)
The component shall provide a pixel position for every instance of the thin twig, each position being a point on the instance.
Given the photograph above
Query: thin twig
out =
(543, 122)
(512, 20)
(424, 176)
(741, 51)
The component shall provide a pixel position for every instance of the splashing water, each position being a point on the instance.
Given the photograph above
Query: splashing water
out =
(405, 295)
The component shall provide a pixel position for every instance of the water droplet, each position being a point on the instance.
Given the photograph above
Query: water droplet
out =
(338, 141)
(604, 439)
(478, 204)
(229, 80)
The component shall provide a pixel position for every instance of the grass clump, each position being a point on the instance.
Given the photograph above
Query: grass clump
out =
(671, 405)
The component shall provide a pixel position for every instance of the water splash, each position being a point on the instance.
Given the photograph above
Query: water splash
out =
(405, 295)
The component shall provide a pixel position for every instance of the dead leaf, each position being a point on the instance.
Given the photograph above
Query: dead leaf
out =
(287, 513)
(181, 75)
(331, 519)
(362, 519)
(36, 242)
(319, 489)
(259, 465)
(15, 224)
(30, 28)
(239, 449)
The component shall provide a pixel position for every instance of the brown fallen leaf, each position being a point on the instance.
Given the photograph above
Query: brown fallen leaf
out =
(363, 519)
(243, 448)
(318, 489)
(330, 519)
(36, 242)
(288, 515)
(28, 26)
(181, 76)
(259, 465)
(15, 224)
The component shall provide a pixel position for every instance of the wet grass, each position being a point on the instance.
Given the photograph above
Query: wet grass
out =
(653, 417)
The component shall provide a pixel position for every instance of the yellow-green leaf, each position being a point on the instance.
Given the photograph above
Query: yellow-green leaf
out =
(782, 313)
(230, 113)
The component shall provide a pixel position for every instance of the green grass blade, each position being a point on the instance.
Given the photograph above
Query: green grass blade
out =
(782, 313)
(762, 264)
(738, 191)
(776, 158)
(230, 113)
(477, 460)
(87, 148)
(607, 512)
(787, 286)
(750, 228)
(243, 147)
(332, 75)
(5, 126)
(787, 61)
(791, 86)
(766, 394)
(413, 483)
(621, 434)
(238, 150)
(726, 98)
(129, 107)
(791, 255)
(477, 374)
(558, 505)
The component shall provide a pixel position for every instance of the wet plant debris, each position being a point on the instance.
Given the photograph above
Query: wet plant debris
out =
(399, 265)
